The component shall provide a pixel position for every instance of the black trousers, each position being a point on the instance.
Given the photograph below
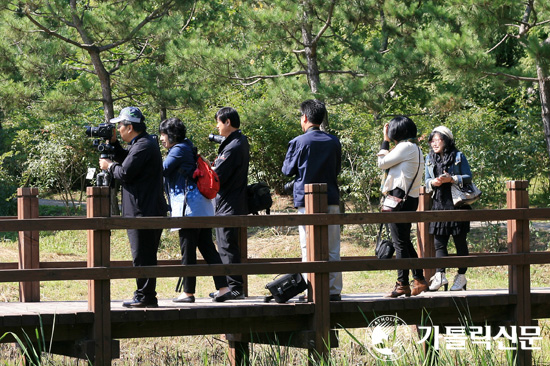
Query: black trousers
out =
(190, 240)
(144, 245)
(228, 247)
(441, 242)
(404, 248)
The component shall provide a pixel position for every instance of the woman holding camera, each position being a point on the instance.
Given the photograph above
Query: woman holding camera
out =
(446, 165)
(403, 176)
(186, 200)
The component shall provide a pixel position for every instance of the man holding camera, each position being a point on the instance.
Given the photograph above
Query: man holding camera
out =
(315, 157)
(139, 168)
(231, 165)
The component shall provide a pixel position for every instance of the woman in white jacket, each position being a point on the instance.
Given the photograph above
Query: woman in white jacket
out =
(403, 167)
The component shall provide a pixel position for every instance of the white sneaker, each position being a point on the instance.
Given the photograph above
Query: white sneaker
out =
(459, 283)
(438, 280)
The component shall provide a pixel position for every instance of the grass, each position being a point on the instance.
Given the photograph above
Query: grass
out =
(263, 242)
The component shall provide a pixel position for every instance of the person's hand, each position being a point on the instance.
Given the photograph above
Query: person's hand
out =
(443, 178)
(104, 163)
(386, 138)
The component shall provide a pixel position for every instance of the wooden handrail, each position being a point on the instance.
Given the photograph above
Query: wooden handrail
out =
(101, 270)
(123, 223)
(350, 265)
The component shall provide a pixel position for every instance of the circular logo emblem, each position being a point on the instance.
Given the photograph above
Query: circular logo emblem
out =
(390, 338)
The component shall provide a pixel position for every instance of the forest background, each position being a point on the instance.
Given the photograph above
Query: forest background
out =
(479, 67)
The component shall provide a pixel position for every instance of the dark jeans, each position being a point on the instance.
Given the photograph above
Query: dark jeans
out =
(144, 245)
(404, 248)
(190, 240)
(441, 242)
(228, 247)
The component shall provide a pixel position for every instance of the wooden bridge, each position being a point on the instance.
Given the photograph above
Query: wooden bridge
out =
(91, 329)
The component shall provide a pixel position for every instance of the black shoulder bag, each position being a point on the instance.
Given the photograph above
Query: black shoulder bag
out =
(384, 247)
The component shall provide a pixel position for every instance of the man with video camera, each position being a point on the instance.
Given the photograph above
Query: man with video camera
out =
(139, 168)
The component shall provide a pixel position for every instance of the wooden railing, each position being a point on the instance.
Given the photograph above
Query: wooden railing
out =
(100, 270)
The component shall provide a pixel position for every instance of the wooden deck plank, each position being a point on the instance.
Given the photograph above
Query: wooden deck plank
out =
(72, 319)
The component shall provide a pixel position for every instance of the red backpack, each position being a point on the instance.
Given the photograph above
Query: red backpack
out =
(208, 181)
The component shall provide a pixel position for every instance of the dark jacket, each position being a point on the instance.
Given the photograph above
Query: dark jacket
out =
(314, 157)
(139, 168)
(231, 165)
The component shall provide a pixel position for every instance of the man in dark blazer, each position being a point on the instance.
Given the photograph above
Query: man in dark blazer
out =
(231, 165)
(139, 169)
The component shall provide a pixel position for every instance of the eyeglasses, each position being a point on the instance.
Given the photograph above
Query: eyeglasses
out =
(435, 141)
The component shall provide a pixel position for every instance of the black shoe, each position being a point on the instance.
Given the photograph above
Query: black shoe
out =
(335, 297)
(231, 295)
(184, 298)
(141, 303)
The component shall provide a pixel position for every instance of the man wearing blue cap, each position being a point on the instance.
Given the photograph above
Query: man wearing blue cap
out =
(139, 168)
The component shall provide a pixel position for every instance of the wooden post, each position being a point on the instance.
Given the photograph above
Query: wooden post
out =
(519, 275)
(99, 292)
(239, 353)
(317, 250)
(29, 253)
(243, 247)
(425, 243)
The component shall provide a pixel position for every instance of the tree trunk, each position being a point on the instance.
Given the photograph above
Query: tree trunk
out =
(105, 81)
(544, 92)
(310, 48)
(108, 109)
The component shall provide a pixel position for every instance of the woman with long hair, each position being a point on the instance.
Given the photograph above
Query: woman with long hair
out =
(446, 165)
(403, 175)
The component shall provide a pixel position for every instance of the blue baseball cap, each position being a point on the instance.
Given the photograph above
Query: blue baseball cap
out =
(130, 114)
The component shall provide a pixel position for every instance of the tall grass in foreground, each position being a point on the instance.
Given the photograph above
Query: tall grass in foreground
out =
(213, 351)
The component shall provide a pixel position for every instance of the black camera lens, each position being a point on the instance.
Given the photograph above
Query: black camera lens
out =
(104, 131)
(216, 138)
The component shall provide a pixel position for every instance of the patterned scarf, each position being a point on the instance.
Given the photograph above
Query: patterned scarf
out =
(442, 163)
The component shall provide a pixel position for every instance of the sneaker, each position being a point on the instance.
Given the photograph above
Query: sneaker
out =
(231, 295)
(459, 283)
(214, 294)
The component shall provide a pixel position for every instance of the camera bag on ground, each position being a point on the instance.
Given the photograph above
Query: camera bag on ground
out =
(285, 287)
(259, 198)
(208, 181)
(384, 247)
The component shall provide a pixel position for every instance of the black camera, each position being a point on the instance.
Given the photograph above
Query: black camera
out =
(216, 138)
(104, 131)
(104, 148)
(288, 188)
